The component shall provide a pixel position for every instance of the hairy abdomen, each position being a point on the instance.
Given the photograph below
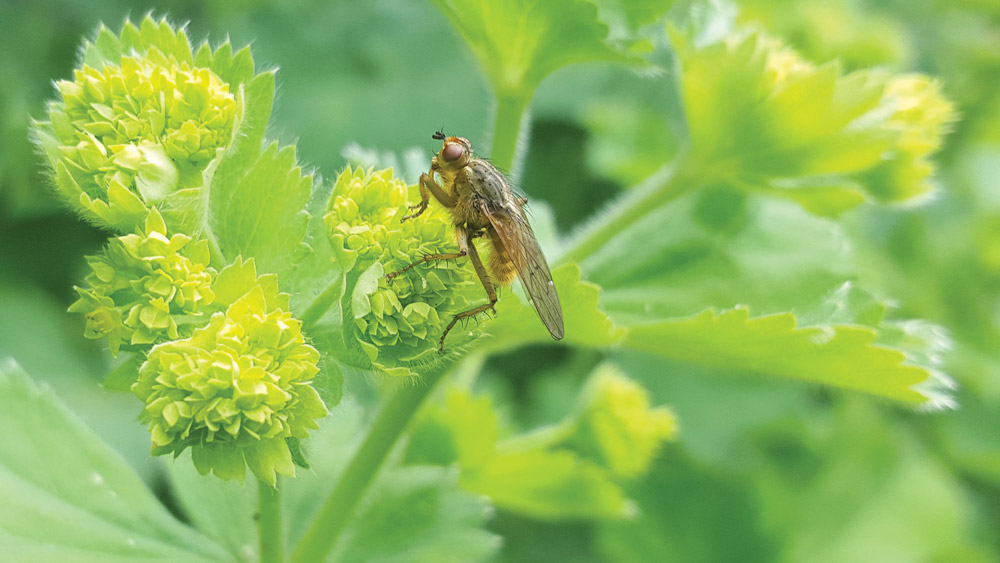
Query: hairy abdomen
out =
(500, 265)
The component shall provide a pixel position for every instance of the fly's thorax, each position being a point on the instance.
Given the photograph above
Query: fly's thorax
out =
(487, 183)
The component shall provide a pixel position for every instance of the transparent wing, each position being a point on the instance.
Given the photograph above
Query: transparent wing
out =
(519, 241)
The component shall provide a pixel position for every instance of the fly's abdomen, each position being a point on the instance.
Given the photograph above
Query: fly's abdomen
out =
(501, 267)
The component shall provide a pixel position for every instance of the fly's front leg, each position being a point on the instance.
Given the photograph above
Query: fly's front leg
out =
(491, 292)
(429, 187)
(424, 196)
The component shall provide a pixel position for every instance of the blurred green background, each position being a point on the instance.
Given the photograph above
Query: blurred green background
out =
(764, 470)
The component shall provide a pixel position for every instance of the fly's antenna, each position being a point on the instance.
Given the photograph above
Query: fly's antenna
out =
(439, 135)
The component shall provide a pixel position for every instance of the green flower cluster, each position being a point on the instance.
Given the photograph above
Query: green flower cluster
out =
(364, 224)
(130, 133)
(227, 371)
(921, 115)
(147, 287)
(364, 208)
(616, 425)
(234, 391)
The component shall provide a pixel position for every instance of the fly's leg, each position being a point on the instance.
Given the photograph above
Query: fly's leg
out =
(424, 197)
(429, 187)
(463, 249)
(424, 260)
(491, 294)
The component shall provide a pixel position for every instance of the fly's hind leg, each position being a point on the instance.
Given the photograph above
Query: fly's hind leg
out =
(463, 249)
(491, 294)
(427, 258)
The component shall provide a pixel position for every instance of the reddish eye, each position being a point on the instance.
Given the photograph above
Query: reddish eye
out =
(453, 152)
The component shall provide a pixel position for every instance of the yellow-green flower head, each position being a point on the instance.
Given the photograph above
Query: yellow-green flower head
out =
(617, 426)
(922, 115)
(147, 287)
(364, 207)
(234, 391)
(761, 117)
(365, 227)
(127, 135)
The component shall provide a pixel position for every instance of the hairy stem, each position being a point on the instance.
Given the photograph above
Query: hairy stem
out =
(665, 185)
(314, 312)
(506, 128)
(269, 522)
(322, 535)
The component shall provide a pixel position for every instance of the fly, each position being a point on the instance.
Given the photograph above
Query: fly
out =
(482, 205)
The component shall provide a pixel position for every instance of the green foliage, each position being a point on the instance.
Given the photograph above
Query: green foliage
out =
(733, 341)
(752, 236)
(55, 469)
(571, 469)
(519, 43)
(859, 36)
(762, 117)
(617, 427)
(539, 480)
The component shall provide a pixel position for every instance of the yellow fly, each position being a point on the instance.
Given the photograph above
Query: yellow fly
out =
(482, 204)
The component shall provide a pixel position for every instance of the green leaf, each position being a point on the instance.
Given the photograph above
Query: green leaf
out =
(717, 248)
(819, 197)
(549, 485)
(193, 212)
(235, 280)
(418, 514)
(517, 475)
(465, 429)
(222, 510)
(261, 214)
(616, 426)
(684, 509)
(635, 13)
(68, 496)
(122, 377)
(520, 42)
(902, 505)
(842, 356)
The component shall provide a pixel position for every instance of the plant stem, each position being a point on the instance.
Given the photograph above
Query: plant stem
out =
(314, 312)
(269, 522)
(668, 183)
(321, 537)
(506, 128)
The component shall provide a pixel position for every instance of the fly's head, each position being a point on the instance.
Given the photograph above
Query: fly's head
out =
(454, 155)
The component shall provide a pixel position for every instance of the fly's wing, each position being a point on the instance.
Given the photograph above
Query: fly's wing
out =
(519, 241)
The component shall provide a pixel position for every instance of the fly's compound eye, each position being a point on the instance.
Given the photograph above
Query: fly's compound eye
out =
(453, 152)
